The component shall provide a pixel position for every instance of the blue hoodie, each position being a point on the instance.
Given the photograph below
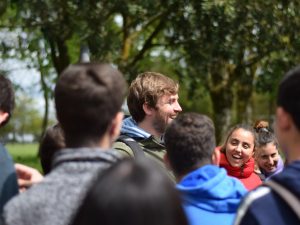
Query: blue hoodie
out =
(131, 129)
(210, 196)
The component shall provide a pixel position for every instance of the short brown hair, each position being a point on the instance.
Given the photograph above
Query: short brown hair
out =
(147, 88)
(87, 97)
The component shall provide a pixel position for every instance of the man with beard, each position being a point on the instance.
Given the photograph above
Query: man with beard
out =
(153, 103)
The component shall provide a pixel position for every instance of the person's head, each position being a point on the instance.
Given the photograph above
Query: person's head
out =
(7, 100)
(52, 141)
(156, 96)
(287, 123)
(239, 145)
(266, 153)
(190, 142)
(131, 192)
(88, 99)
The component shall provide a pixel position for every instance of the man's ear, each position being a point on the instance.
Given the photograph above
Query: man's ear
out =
(116, 124)
(3, 116)
(167, 161)
(283, 119)
(147, 109)
(216, 156)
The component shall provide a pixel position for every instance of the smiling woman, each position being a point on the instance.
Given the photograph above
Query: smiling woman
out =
(237, 155)
(267, 156)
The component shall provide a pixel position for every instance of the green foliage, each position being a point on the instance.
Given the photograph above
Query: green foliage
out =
(222, 52)
(26, 119)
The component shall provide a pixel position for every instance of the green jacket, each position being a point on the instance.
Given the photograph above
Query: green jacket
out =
(152, 148)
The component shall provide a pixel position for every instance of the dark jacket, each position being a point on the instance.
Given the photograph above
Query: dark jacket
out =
(152, 146)
(262, 206)
(56, 199)
(8, 178)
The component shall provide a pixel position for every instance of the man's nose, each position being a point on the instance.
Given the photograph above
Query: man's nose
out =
(177, 107)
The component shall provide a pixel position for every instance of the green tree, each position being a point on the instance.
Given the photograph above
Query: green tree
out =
(225, 43)
(26, 120)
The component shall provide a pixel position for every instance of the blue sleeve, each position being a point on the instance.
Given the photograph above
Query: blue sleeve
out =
(8, 178)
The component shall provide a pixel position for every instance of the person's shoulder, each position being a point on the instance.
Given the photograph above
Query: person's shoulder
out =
(256, 205)
(21, 206)
(123, 148)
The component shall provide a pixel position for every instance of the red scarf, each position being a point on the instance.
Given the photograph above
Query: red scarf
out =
(239, 172)
(245, 173)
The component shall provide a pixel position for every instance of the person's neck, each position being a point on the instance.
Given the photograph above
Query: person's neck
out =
(104, 143)
(147, 126)
(293, 155)
(292, 150)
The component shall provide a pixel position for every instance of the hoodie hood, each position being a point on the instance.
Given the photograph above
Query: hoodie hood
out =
(211, 189)
(131, 129)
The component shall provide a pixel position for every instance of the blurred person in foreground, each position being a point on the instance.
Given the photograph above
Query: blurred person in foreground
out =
(88, 99)
(132, 192)
(8, 176)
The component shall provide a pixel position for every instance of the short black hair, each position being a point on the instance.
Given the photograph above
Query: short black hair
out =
(7, 97)
(288, 96)
(87, 97)
(132, 192)
(190, 142)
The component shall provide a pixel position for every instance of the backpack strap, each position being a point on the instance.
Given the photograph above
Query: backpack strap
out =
(133, 144)
(286, 195)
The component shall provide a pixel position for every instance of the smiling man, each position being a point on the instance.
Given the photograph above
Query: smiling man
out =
(153, 104)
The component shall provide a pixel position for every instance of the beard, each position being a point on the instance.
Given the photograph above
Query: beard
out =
(160, 122)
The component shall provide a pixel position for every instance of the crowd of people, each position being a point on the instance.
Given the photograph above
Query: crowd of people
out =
(159, 166)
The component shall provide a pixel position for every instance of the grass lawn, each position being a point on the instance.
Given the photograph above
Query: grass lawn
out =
(25, 154)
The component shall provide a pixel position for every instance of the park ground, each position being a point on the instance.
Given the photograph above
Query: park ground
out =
(25, 153)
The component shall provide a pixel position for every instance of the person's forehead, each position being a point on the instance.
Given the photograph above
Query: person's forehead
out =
(169, 96)
(243, 135)
(269, 148)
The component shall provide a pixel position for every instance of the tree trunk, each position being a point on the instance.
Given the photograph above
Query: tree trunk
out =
(244, 92)
(222, 104)
(45, 91)
(220, 80)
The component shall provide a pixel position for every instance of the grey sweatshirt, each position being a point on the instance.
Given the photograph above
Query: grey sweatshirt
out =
(56, 199)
